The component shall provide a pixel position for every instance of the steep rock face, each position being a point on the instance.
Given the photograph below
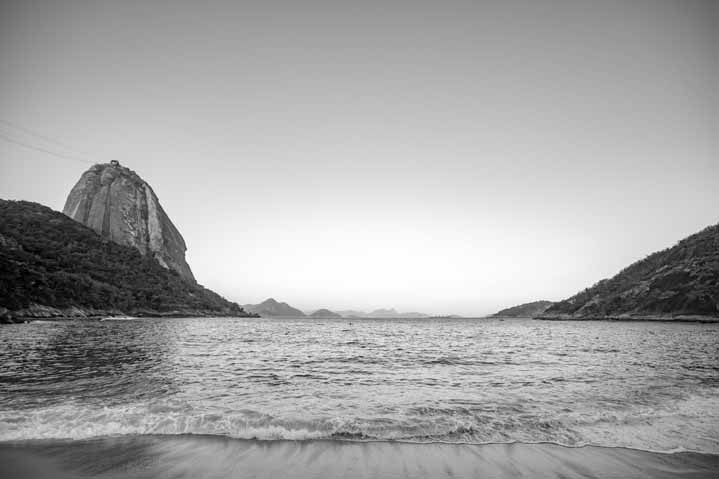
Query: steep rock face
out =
(120, 206)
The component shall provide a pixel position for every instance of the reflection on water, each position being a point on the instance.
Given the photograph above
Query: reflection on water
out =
(106, 363)
(646, 385)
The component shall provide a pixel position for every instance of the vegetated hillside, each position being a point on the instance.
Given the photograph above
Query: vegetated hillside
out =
(681, 282)
(526, 310)
(51, 265)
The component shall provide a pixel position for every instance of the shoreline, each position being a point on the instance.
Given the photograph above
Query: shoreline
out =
(76, 313)
(217, 456)
(59, 319)
(640, 318)
(339, 440)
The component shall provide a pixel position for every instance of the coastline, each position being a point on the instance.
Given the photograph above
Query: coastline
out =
(629, 318)
(49, 313)
(216, 456)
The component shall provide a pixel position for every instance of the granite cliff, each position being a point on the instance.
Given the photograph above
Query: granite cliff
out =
(121, 207)
(678, 283)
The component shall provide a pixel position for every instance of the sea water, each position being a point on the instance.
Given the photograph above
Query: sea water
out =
(645, 385)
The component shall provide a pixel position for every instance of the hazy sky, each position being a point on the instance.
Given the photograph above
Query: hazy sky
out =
(446, 157)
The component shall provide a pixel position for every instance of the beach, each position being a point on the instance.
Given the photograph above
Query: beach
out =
(216, 457)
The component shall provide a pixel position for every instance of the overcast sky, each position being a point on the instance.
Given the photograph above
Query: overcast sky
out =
(445, 157)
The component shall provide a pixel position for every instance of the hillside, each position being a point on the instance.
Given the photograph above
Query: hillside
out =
(526, 310)
(51, 266)
(681, 282)
(271, 308)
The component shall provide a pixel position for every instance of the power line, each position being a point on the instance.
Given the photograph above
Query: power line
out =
(38, 135)
(43, 150)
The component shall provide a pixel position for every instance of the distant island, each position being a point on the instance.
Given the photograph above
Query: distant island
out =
(271, 308)
(54, 267)
(526, 310)
(678, 283)
(351, 313)
(325, 314)
(389, 314)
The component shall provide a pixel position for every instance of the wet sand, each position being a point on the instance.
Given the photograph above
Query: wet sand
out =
(218, 457)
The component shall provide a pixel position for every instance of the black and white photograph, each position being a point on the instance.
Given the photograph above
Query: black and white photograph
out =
(367, 239)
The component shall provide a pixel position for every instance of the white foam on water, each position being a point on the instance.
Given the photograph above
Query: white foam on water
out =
(692, 424)
(78, 422)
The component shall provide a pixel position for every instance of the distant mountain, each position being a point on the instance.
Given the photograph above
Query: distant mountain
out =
(53, 266)
(270, 308)
(380, 313)
(681, 282)
(526, 310)
(351, 313)
(325, 314)
(393, 314)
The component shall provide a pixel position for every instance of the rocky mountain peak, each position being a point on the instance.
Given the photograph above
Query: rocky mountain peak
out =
(120, 206)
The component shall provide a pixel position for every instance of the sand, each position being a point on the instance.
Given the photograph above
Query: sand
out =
(217, 457)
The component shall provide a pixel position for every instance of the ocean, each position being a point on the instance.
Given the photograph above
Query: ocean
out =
(645, 386)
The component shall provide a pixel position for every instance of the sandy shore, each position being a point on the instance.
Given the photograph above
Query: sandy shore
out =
(217, 457)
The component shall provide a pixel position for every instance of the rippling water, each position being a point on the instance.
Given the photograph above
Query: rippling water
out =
(652, 386)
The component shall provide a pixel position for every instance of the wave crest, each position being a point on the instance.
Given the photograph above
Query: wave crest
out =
(646, 430)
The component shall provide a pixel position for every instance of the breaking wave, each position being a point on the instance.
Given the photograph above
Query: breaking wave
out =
(649, 430)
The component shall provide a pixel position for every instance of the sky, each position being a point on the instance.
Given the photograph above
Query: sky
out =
(448, 157)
